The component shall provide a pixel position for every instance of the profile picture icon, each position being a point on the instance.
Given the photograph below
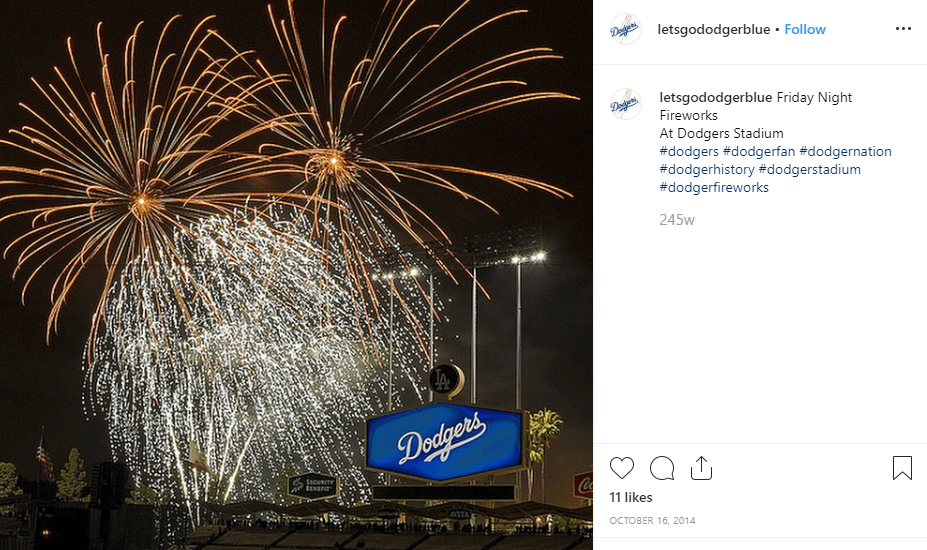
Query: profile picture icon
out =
(625, 29)
(625, 104)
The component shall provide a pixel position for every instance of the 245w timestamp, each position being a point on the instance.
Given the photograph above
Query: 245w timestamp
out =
(676, 219)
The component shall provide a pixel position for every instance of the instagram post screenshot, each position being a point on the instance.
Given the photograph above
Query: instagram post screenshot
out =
(304, 274)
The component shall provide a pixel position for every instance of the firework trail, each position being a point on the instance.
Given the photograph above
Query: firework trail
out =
(113, 172)
(332, 121)
(249, 385)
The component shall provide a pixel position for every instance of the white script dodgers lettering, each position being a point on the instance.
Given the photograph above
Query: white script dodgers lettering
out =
(442, 442)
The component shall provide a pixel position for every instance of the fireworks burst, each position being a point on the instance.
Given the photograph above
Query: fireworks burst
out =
(246, 386)
(116, 171)
(227, 335)
(333, 132)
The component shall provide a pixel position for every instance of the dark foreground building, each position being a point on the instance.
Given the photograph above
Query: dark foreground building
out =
(370, 538)
(79, 526)
(29, 525)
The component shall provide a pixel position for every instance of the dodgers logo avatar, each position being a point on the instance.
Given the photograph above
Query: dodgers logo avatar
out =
(625, 29)
(625, 104)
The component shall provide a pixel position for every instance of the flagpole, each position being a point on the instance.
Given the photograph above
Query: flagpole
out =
(38, 476)
(45, 465)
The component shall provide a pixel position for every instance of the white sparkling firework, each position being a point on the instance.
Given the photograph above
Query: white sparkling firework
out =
(254, 365)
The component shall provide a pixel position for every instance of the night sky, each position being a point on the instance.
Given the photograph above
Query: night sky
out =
(42, 385)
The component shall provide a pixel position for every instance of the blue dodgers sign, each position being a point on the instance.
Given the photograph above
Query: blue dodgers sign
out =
(445, 442)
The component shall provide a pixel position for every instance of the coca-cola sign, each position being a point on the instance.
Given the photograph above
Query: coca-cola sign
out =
(582, 485)
(446, 442)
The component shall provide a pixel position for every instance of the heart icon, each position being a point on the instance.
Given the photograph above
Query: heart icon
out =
(621, 466)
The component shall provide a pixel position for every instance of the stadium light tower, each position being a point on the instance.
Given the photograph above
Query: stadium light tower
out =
(473, 253)
(536, 257)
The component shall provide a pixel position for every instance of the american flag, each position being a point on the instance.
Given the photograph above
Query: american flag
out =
(44, 460)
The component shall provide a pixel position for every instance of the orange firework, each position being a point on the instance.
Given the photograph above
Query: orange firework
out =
(114, 172)
(331, 131)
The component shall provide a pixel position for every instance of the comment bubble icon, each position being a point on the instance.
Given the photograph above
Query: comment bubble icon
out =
(661, 468)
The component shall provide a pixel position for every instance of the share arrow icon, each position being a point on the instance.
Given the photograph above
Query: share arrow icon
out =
(702, 475)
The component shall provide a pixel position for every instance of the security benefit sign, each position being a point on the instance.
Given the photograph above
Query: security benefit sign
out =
(446, 442)
(313, 486)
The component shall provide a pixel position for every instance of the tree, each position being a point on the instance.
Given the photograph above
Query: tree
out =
(545, 426)
(9, 484)
(73, 480)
